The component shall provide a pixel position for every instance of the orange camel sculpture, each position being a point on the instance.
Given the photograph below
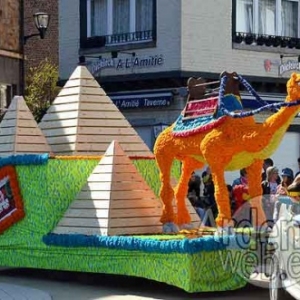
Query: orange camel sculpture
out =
(234, 144)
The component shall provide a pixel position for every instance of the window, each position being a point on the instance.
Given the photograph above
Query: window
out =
(6, 94)
(268, 17)
(120, 21)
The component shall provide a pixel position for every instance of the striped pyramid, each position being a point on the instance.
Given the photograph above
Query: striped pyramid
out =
(83, 120)
(19, 132)
(115, 201)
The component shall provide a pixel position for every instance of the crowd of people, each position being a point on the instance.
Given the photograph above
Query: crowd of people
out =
(273, 182)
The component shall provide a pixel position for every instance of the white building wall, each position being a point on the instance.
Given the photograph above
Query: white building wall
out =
(167, 46)
(192, 35)
(207, 42)
(69, 30)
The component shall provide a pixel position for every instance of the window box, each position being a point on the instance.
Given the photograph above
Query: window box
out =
(265, 40)
(268, 23)
(93, 42)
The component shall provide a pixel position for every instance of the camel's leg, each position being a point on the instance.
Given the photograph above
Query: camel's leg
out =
(222, 198)
(255, 192)
(188, 166)
(166, 193)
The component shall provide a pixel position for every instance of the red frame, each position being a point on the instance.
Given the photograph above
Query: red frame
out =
(19, 213)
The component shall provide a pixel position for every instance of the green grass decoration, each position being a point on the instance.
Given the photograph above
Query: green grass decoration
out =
(47, 192)
(191, 273)
(149, 170)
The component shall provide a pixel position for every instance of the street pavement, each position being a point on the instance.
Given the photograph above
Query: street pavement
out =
(45, 285)
(16, 292)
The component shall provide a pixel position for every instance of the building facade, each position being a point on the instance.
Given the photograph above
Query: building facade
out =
(10, 51)
(143, 52)
(16, 57)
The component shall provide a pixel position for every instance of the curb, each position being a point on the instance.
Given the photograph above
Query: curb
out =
(17, 292)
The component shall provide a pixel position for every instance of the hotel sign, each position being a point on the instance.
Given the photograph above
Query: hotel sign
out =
(125, 63)
(288, 66)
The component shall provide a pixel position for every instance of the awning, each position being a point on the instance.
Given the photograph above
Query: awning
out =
(146, 100)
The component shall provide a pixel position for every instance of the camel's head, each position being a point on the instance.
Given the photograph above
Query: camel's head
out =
(232, 83)
(293, 87)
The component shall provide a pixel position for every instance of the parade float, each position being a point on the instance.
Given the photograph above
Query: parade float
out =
(82, 192)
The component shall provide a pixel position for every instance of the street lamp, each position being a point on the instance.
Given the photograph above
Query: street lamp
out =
(41, 21)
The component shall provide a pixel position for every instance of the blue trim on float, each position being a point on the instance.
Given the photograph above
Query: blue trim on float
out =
(25, 159)
(184, 246)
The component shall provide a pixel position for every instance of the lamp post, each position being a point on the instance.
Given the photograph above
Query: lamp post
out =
(41, 21)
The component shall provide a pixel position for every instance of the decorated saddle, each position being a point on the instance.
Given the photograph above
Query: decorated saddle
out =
(202, 115)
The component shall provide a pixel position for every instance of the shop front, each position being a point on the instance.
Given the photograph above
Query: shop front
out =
(149, 112)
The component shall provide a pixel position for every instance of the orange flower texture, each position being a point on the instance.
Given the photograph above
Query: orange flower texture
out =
(235, 144)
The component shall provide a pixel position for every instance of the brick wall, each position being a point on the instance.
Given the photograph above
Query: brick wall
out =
(9, 25)
(36, 49)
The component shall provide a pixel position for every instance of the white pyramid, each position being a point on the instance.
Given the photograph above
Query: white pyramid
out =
(116, 200)
(83, 120)
(19, 132)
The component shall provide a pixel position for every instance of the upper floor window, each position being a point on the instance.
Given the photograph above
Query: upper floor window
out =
(267, 23)
(120, 21)
(272, 18)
